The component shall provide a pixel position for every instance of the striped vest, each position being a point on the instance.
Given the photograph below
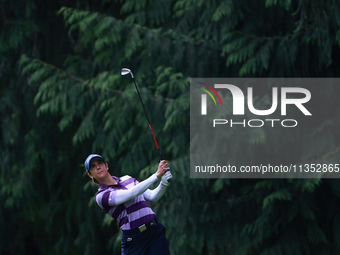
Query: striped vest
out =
(130, 214)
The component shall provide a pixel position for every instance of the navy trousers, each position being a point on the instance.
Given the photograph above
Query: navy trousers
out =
(149, 242)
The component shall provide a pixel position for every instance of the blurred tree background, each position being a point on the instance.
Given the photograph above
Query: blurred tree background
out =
(62, 98)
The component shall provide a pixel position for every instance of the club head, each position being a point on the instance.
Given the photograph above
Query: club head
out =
(126, 71)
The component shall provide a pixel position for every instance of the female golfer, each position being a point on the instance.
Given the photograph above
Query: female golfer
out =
(124, 199)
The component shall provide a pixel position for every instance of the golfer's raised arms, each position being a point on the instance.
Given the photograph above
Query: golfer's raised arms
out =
(117, 197)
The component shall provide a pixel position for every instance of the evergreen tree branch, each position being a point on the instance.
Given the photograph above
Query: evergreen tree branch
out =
(60, 70)
(265, 37)
(79, 80)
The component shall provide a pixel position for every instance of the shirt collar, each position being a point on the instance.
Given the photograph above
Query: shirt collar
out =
(104, 186)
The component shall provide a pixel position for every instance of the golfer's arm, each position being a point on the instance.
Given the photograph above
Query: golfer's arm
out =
(155, 194)
(121, 196)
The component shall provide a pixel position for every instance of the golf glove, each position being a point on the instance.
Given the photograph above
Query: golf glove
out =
(166, 177)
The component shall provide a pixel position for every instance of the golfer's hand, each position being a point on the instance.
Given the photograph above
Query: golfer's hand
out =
(167, 176)
(162, 167)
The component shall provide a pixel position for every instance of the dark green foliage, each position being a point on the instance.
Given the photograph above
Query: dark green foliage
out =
(62, 98)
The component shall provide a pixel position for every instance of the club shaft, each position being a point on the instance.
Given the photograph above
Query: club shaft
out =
(154, 138)
(153, 135)
(140, 98)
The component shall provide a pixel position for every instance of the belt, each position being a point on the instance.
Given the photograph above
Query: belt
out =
(141, 228)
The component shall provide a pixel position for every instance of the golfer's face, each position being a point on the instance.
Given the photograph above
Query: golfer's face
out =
(98, 168)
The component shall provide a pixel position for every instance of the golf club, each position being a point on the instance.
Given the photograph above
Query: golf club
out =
(126, 71)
